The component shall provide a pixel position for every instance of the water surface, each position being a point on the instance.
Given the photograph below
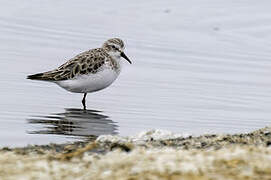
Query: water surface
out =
(198, 67)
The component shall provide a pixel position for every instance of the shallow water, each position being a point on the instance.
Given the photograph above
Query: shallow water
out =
(198, 66)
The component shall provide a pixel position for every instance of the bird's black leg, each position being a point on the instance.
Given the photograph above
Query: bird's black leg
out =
(84, 101)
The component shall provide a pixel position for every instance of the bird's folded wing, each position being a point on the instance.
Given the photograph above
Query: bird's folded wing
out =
(83, 63)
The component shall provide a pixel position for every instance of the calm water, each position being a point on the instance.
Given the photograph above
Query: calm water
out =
(198, 67)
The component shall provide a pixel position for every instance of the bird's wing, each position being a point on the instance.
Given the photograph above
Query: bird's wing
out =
(84, 63)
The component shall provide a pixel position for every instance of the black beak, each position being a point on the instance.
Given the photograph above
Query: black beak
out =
(125, 57)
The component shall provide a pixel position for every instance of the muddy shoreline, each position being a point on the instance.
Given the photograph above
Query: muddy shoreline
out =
(151, 154)
(261, 137)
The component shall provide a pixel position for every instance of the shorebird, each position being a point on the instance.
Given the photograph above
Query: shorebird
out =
(90, 71)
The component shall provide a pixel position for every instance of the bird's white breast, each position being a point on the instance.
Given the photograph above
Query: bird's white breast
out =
(90, 82)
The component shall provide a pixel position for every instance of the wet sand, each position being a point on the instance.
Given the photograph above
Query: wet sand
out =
(149, 155)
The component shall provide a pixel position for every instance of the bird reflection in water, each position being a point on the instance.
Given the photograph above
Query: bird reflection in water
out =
(75, 123)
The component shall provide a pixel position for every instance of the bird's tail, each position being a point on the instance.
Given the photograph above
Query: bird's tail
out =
(46, 76)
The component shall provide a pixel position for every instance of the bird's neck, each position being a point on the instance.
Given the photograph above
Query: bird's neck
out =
(115, 59)
(116, 63)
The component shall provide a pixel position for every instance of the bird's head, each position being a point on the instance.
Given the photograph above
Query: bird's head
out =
(115, 47)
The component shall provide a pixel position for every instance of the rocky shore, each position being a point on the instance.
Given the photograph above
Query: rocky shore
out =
(149, 155)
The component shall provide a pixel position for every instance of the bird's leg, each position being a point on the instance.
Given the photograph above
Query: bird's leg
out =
(84, 101)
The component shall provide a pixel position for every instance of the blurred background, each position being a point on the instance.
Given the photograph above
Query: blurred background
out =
(198, 67)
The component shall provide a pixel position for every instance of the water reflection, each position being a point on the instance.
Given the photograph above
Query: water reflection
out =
(74, 122)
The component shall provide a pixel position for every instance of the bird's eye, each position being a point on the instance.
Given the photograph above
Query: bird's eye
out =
(114, 47)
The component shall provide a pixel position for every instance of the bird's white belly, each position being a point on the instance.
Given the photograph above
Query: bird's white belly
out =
(90, 82)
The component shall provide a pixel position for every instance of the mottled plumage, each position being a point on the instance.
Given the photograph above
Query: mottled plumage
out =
(89, 71)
